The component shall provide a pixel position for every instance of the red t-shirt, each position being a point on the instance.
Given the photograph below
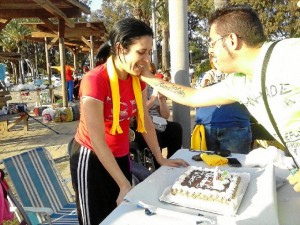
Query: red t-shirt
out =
(96, 85)
(69, 72)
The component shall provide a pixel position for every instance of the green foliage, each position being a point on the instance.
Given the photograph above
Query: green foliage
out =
(201, 68)
(112, 11)
(12, 35)
(279, 17)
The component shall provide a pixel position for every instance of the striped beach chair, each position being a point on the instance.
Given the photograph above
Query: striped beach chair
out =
(40, 188)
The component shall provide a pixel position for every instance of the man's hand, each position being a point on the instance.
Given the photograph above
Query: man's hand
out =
(295, 180)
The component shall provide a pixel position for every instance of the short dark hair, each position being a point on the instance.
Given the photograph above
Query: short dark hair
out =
(241, 20)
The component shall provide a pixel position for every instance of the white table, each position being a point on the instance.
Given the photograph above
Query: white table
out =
(262, 204)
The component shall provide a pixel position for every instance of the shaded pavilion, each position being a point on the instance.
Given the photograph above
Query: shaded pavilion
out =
(45, 10)
(84, 37)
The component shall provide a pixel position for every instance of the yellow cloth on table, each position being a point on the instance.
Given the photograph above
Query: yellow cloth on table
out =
(198, 141)
(294, 179)
(115, 92)
(214, 160)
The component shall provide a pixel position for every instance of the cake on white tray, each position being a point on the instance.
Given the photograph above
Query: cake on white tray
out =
(212, 190)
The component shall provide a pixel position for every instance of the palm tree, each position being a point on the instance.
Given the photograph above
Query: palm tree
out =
(11, 40)
(163, 22)
(141, 9)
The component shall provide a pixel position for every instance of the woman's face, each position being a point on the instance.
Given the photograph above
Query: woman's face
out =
(136, 56)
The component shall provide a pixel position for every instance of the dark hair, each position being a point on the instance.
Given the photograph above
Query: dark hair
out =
(241, 20)
(102, 54)
(126, 31)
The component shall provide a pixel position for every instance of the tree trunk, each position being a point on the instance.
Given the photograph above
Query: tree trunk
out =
(165, 49)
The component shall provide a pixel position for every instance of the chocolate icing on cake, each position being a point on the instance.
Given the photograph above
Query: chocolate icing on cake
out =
(199, 183)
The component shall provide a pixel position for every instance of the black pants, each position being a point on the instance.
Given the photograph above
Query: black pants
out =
(171, 139)
(96, 191)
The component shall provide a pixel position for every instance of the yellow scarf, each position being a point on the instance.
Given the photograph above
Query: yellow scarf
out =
(115, 92)
(198, 141)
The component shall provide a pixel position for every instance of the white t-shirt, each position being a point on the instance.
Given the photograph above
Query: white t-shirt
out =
(283, 91)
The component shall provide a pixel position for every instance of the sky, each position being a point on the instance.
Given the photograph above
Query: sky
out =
(96, 4)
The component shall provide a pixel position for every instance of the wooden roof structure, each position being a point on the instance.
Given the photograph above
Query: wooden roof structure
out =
(77, 37)
(45, 10)
(10, 55)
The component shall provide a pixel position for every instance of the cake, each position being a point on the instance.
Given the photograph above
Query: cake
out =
(207, 184)
(213, 190)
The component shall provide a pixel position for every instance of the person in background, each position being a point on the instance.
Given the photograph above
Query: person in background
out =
(170, 136)
(158, 73)
(227, 127)
(238, 45)
(70, 82)
(85, 69)
(167, 76)
(77, 82)
(110, 95)
(7, 82)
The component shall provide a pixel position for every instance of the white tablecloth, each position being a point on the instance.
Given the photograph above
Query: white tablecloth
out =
(262, 204)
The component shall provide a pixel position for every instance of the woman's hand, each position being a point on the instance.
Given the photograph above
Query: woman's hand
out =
(173, 162)
(123, 191)
(161, 96)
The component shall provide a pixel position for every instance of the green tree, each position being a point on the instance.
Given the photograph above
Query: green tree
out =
(112, 11)
(141, 9)
(12, 40)
(162, 24)
(280, 18)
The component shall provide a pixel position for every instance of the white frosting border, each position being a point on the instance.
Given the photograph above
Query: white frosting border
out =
(210, 206)
(189, 190)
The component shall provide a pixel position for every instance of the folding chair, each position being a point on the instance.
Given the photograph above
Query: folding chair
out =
(40, 188)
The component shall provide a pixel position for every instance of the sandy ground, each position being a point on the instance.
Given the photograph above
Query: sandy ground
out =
(38, 135)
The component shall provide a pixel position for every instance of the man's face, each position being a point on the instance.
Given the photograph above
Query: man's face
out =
(220, 50)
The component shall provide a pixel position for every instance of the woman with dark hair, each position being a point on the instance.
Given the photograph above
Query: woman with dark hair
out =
(110, 95)
(103, 54)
